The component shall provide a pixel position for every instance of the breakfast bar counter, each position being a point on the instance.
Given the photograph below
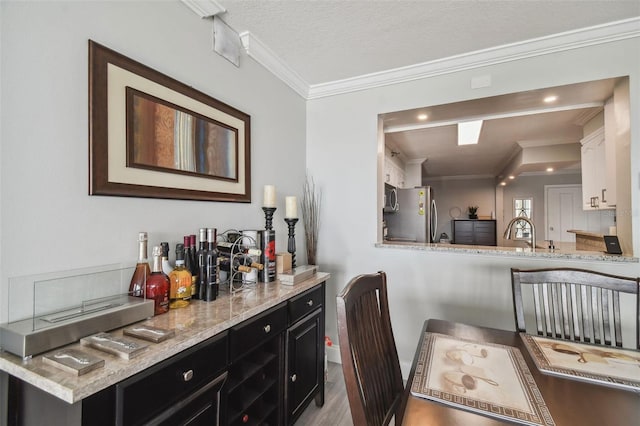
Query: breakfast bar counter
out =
(563, 251)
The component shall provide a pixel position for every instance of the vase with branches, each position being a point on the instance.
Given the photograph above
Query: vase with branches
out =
(310, 206)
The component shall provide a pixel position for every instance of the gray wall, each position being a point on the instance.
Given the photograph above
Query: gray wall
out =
(454, 286)
(49, 222)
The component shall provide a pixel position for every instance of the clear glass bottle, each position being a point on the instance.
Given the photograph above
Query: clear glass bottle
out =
(158, 283)
(142, 271)
(180, 280)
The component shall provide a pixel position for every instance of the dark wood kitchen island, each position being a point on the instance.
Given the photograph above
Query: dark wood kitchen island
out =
(254, 356)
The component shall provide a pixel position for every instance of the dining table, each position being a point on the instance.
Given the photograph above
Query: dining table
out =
(568, 401)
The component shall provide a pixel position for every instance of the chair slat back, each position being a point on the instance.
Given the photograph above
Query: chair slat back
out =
(369, 357)
(575, 304)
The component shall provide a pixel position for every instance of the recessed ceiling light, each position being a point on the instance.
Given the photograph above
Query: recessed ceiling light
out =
(512, 177)
(503, 183)
(550, 99)
(422, 117)
(549, 169)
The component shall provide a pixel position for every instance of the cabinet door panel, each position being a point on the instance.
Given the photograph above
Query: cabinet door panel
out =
(305, 354)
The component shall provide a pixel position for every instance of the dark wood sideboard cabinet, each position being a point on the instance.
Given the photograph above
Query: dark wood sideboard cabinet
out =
(264, 371)
(479, 232)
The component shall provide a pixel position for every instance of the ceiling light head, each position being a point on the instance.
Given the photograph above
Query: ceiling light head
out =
(503, 183)
(512, 177)
(549, 169)
(469, 132)
(422, 117)
(551, 98)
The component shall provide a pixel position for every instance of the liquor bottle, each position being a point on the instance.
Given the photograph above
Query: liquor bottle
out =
(201, 257)
(188, 264)
(227, 248)
(166, 266)
(212, 265)
(142, 271)
(158, 284)
(180, 280)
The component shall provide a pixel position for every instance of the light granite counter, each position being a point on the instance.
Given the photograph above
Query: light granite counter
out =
(193, 324)
(563, 251)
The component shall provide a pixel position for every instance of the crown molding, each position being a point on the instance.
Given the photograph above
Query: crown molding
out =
(575, 39)
(204, 8)
(268, 59)
(605, 33)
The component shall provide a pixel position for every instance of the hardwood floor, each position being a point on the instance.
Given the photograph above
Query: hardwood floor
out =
(335, 411)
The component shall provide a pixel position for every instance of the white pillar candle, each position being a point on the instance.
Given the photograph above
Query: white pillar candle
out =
(269, 196)
(291, 210)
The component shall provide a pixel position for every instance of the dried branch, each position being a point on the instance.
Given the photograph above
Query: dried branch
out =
(310, 206)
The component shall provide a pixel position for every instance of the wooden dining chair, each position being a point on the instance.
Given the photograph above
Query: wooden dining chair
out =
(575, 304)
(368, 351)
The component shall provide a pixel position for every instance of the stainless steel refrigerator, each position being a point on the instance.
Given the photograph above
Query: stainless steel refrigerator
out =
(416, 218)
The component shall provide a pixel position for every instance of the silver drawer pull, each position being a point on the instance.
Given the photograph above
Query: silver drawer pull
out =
(187, 375)
(310, 303)
(294, 378)
(267, 328)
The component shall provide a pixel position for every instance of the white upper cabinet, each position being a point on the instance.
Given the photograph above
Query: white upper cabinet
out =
(595, 182)
(393, 174)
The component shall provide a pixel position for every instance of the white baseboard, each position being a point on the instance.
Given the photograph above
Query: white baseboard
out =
(333, 355)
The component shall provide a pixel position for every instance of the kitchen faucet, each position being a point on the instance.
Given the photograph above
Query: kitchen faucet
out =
(507, 232)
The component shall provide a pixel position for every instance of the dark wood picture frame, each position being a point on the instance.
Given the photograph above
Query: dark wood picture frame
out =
(110, 75)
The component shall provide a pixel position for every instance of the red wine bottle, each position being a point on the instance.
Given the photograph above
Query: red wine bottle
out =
(142, 271)
(158, 284)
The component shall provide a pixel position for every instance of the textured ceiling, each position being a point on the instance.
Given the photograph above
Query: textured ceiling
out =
(326, 41)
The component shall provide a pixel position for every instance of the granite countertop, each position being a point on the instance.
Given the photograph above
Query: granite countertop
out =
(562, 251)
(193, 324)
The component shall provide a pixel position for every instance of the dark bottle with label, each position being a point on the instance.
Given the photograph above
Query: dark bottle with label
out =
(212, 265)
(158, 284)
(142, 271)
(201, 257)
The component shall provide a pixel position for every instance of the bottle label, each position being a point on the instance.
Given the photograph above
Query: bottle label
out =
(181, 288)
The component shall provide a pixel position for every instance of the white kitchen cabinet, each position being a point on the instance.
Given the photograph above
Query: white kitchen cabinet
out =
(393, 174)
(594, 172)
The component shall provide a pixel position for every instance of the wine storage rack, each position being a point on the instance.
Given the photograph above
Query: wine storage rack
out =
(236, 280)
(254, 386)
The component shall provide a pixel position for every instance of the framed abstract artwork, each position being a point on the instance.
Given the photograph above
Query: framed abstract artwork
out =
(153, 136)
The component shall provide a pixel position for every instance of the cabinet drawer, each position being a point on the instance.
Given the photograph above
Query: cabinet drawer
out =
(143, 396)
(254, 332)
(305, 303)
